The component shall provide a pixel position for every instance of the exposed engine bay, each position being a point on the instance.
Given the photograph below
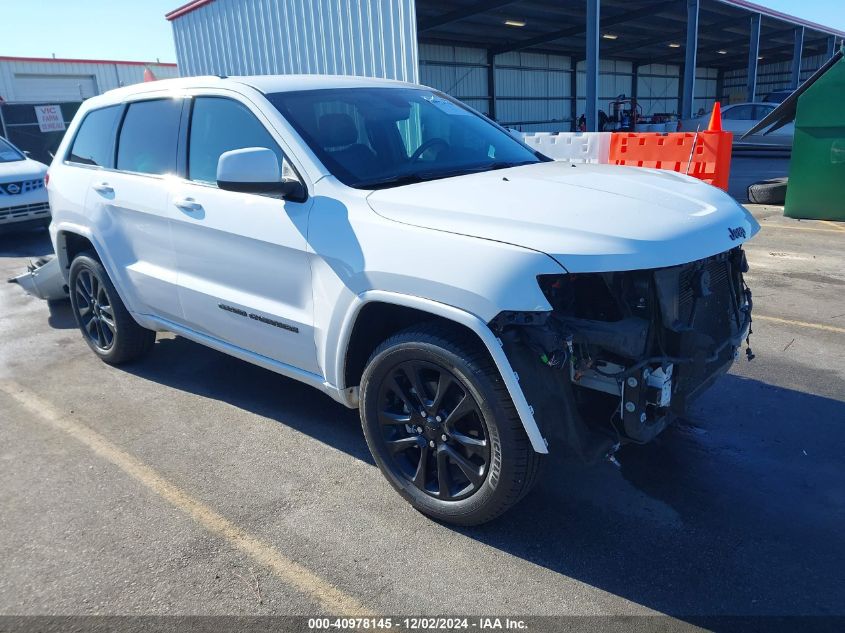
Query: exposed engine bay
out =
(621, 354)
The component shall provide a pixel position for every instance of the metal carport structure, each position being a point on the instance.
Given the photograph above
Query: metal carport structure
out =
(723, 35)
(530, 64)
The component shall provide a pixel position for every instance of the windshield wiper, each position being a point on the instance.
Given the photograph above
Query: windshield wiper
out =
(500, 165)
(409, 179)
(391, 181)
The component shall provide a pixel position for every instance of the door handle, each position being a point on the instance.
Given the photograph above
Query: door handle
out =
(187, 204)
(104, 188)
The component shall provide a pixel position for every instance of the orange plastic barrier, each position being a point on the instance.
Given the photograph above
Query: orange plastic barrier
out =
(704, 155)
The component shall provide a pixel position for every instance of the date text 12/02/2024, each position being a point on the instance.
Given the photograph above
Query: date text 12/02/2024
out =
(417, 624)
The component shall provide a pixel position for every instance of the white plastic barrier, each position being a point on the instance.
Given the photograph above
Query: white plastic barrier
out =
(575, 147)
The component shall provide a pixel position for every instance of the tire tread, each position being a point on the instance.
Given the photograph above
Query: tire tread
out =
(133, 341)
(528, 462)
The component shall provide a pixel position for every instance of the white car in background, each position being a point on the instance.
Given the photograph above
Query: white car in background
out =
(741, 117)
(23, 196)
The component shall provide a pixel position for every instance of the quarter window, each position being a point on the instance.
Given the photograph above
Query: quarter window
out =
(148, 137)
(94, 142)
(220, 125)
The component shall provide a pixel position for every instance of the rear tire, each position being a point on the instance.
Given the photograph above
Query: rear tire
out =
(457, 451)
(104, 321)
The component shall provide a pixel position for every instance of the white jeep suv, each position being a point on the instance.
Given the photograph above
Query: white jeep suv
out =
(480, 304)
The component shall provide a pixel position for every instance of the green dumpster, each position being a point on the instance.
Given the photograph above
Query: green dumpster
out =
(816, 187)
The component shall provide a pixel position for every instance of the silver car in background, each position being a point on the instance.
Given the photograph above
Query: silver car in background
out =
(739, 118)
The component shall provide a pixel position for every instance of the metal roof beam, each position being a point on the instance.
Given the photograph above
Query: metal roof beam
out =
(743, 42)
(577, 30)
(778, 15)
(592, 75)
(632, 46)
(460, 14)
(797, 52)
(784, 49)
(690, 59)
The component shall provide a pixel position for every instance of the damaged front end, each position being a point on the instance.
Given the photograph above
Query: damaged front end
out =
(622, 354)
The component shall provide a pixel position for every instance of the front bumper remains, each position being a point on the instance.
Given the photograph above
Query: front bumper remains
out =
(623, 354)
(43, 279)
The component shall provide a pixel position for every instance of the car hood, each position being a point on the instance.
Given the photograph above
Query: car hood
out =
(26, 169)
(590, 218)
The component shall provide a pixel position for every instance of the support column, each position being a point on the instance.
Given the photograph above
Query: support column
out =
(797, 51)
(753, 54)
(720, 85)
(635, 80)
(690, 59)
(573, 91)
(491, 84)
(831, 46)
(592, 109)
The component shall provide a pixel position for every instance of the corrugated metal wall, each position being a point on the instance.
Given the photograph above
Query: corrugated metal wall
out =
(66, 81)
(375, 38)
(657, 88)
(534, 90)
(615, 79)
(706, 89)
(458, 71)
(769, 77)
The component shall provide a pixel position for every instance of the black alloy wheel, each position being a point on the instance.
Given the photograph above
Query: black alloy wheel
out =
(434, 430)
(442, 427)
(107, 326)
(94, 310)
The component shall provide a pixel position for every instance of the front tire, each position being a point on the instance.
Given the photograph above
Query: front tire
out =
(442, 428)
(104, 321)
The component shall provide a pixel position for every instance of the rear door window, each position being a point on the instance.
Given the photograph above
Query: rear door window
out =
(94, 142)
(148, 137)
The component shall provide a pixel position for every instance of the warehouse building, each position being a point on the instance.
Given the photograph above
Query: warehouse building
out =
(39, 96)
(536, 65)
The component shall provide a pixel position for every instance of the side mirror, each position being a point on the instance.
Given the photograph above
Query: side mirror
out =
(257, 170)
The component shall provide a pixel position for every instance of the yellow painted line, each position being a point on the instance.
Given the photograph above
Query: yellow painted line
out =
(294, 574)
(799, 228)
(815, 326)
(833, 224)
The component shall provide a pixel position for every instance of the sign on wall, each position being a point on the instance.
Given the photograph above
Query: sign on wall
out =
(49, 118)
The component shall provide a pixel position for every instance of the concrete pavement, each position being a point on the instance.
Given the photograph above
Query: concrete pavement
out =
(116, 480)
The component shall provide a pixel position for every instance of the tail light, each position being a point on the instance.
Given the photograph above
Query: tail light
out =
(47, 179)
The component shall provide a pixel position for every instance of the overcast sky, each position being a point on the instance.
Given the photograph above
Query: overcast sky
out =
(136, 29)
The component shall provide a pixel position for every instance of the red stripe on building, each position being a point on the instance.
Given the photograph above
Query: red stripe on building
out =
(187, 8)
(83, 61)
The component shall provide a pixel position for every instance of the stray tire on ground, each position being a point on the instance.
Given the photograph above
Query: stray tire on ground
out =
(768, 192)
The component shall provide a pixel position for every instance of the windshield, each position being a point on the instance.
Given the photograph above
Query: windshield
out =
(372, 138)
(9, 152)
